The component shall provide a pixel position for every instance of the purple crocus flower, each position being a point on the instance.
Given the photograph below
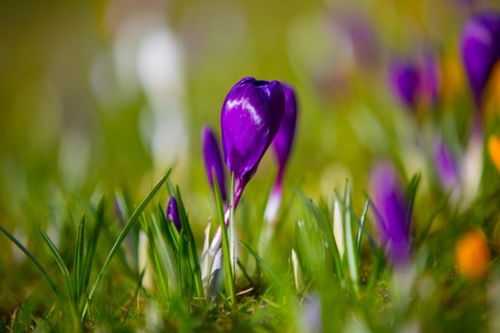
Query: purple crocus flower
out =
(250, 117)
(392, 211)
(404, 79)
(173, 213)
(213, 160)
(282, 145)
(480, 48)
(446, 166)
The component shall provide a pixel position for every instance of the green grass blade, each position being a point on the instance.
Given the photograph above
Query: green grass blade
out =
(260, 261)
(59, 261)
(232, 230)
(226, 256)
(91, 246)
(411, 192)
(362, 223)
(169, 231)
(130, 223)
(44, 272)
(162, 260)
(192, 256)
(78, 259)
(351, 254)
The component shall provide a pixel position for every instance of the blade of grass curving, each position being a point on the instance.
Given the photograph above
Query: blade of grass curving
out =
(164, 252)
(336, 252)
(169, 231)
(260, 261)
(232, 230)
(45, 274)
(411, 192)
(68, 282)
(362, 227)
(171, 189)
(161, 260)
(226, 257)
(78, 259)
(183, 261)
(130, 223)
(245, 273)
(59, 261)
(351, 256)
(308, 203)
(194, 263)
(91, 246)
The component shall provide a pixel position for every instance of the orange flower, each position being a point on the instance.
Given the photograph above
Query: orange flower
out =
(494, 150)
(472, 255)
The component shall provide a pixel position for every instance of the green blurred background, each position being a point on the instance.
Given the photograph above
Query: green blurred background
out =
(111, 90)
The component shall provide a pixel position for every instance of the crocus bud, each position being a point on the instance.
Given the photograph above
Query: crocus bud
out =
(338, 228)
(173, 213)
(250, 117)
(392, 212)
(282, 145)
(213, 160)
(283, 140)
(446, 166)
(480, 48)
(404, 79)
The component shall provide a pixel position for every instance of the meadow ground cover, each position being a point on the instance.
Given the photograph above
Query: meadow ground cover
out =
(250, 166)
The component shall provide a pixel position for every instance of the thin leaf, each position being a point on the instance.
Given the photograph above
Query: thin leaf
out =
(46, 275)
(91, 246)
(192, 255)
(62, 266)
(351, 257)
(260, 260)
(226, 256)
(78, 258)
(130, 223)
(362, 223)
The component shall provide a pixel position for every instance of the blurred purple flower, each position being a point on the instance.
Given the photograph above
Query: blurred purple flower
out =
(250, 118)
(310, 315)
(392, 211)
(213, 160)
(480, 48)
(446, 166)
(173, 213)
(404, 79)
(358, 27)
(415, 82)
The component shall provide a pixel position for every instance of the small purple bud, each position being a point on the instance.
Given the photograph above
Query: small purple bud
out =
(283, 140)
(480, 48)
(173, 213)
(392, 212)
(250, 117)
(213, 160)
(446, 166)
(404, 79)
